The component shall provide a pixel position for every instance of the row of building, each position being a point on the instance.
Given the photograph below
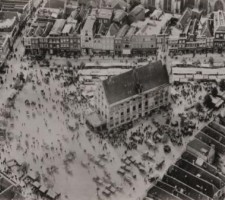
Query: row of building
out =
(13, 15)
(118, 32)
(99, 31)
(194, 175)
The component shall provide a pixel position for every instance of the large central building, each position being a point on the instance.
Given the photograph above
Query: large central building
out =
(124, 98)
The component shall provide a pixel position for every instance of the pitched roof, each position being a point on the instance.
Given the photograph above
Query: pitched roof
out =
(113, 30)
(183, 21)
(119, 15)
(158, 193)
(128, 84)
(206, 31)
(119, 4)
(122, 31)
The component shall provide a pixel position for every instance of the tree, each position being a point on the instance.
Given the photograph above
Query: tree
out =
(199, 107)
(222, 85)
(214, 92)
(211, 60)
(208, 102)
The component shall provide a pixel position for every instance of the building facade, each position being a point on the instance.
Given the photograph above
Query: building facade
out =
(87, 35)
(124, 98)
(103, 44)
(144, 44)
(53, 45)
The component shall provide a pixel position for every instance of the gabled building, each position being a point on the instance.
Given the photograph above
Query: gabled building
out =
(124, 98)
(119, 37)
(120, 16)
(219, 30)
(136, 14)
(87, 34)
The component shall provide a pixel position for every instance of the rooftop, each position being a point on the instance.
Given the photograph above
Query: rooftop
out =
(105, 13)
(119, 4)
(200, 173)
(132, 30)
(7, 18)
(219, 21)
(184, 188)
(137, 10)
(122, 32)
(158, 193)
(128, 84)
(154, 26)
(89, 23)
(199, 146)
(58, 27)
(119, 15)
(59, 4)
(194, 182)
(113, 30)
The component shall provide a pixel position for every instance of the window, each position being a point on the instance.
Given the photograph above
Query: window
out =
(121, 113)
(134, 108)
(128, 110)
(146, 103)
(139, 106)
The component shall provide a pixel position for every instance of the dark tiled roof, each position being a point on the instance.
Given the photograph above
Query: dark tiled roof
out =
(192, 181)
(205, 166)
(7, 15)
(221, 29)
(206, 31)
(185, 17)
(160, 194)
(113, 29)
(198, 145)
(119, 15)
(214, 134)
(218, 127)
(187, 190)
(126, 85)
(209, 141)
(172, 190)
(122, 31)
(203, 174)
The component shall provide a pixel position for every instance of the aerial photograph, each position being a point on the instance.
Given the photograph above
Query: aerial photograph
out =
(112, 99)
